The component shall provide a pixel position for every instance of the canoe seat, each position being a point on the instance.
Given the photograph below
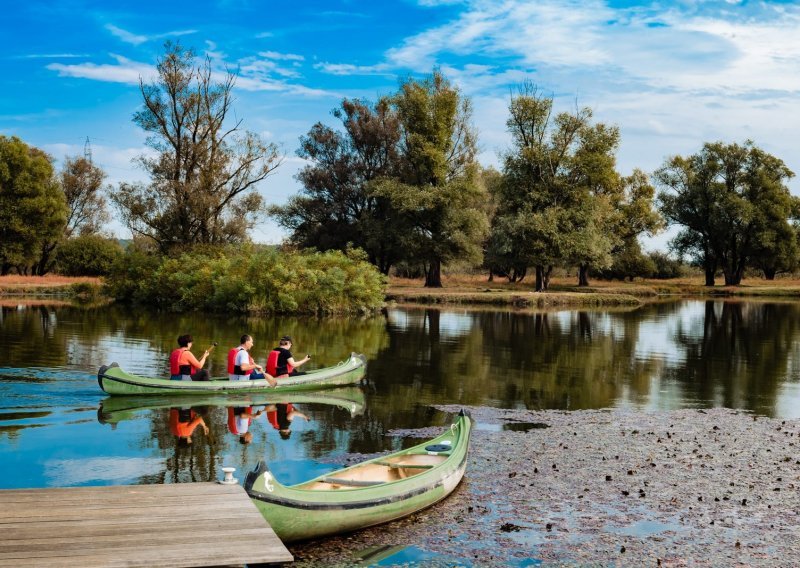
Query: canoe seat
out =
(398, 465)
(351, 482)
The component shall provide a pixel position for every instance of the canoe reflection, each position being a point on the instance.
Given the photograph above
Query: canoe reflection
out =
(120, 408)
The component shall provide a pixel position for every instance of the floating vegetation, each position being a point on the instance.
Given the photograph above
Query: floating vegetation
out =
(608, 487)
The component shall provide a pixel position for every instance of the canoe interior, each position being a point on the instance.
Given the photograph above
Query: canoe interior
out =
(375, 473)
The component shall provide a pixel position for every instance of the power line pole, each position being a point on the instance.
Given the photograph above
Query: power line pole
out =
(87, 151)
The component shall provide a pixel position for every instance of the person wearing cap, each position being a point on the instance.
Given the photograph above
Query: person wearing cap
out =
(281, 362)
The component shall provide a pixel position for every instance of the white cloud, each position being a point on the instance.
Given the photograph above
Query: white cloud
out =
(124, 71)
(137, 39)
(51, 56)
(284, 56)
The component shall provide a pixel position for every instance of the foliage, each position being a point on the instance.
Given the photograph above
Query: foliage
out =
(82, 183)
(437, 191)
(734, 207)
(250, 280)
(558, 191)
(203, 165)
(629, 262)
(666, 267)
(335, 208)
(32, 209)
(87, 255)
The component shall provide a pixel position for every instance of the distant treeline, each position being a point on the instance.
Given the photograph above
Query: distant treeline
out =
(398, 180)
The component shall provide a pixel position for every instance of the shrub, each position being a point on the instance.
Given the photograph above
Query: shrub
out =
(87, 255)
(250, 279)
(666, 267)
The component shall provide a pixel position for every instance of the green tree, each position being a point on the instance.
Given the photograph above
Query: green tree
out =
(335, 208)
(733, 205)
(32, 208)
(438, 191)
(81, 182)
(203, 164)
(559, 190)
(87, 255)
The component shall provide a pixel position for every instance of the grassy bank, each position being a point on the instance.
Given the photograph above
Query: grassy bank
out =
(463, 289)
(49, 285)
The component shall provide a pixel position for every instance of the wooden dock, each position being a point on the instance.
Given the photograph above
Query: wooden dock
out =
(189, 524)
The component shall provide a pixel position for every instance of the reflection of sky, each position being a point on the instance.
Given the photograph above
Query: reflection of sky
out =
(451, 324)
(657, 335)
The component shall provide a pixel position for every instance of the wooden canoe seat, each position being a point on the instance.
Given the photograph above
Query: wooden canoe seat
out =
(351, 482)
(398, 465)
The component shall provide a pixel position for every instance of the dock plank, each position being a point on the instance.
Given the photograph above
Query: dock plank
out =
(192, 524)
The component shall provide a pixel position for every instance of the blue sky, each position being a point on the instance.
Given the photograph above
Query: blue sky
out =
(671, 75)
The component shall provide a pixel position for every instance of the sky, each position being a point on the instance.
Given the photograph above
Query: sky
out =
(670, 75)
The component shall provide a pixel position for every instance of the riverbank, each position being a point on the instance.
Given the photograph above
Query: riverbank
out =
(48, 285)
(475, 290)
(715, 487)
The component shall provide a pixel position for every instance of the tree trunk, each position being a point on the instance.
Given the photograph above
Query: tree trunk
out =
(433, 276)
(539, 278)
(583, 275)
(491, 276)
(769, 273)
(710, 275)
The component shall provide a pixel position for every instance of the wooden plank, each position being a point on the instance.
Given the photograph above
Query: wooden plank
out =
(193, 524)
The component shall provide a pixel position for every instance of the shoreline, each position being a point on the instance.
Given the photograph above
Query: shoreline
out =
(606, 487)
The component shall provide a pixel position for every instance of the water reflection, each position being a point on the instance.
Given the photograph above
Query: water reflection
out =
(55, 430)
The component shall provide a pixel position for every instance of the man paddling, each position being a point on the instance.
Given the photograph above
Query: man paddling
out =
(243, 367)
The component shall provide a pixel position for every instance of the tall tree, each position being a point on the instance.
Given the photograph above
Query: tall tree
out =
(335, 208)
(203, 163)
(437, 192)
(732, 201)
(81, 182)
(558, 190)
(32, 208)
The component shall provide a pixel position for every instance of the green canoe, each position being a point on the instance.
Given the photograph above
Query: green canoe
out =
(370, 493)
(114, 381)
(115, 409)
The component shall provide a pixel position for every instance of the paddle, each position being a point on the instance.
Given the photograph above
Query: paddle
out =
(213, 344)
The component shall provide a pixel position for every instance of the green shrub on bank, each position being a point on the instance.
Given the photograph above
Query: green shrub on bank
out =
(87, 255)
(249, 280)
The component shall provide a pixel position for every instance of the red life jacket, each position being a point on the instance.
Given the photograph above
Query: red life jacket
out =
(232, 420)
(272, 364)
(175, 368)
(231, 358)
(272, 416)
(234, 369)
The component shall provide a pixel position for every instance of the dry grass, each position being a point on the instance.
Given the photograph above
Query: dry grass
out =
(49, 284)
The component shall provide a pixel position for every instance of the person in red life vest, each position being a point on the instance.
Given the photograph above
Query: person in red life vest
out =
(183, 422)
(239, 420)
(281, 419)
(241, 365)
(183, 366)
(280, 361)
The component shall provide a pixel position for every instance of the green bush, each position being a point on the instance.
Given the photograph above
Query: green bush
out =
(666, 267)
(250, 279)
(88, 255)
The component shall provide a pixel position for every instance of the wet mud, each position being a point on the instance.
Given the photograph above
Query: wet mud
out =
(609, 488)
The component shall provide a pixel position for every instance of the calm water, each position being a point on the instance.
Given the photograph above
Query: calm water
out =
(58, 429)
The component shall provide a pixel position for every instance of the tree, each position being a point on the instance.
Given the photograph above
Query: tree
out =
(87, 255)
(32, 209)
(557, 192)
(203, 165)
(81, 182)
(335, 208)
(437, 190)
(732, 203)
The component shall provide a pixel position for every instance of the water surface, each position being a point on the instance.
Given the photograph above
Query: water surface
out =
(56, 428)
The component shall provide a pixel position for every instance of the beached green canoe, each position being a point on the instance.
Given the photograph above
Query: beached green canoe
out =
(115, 409)
(370, 493)
(115, 381)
